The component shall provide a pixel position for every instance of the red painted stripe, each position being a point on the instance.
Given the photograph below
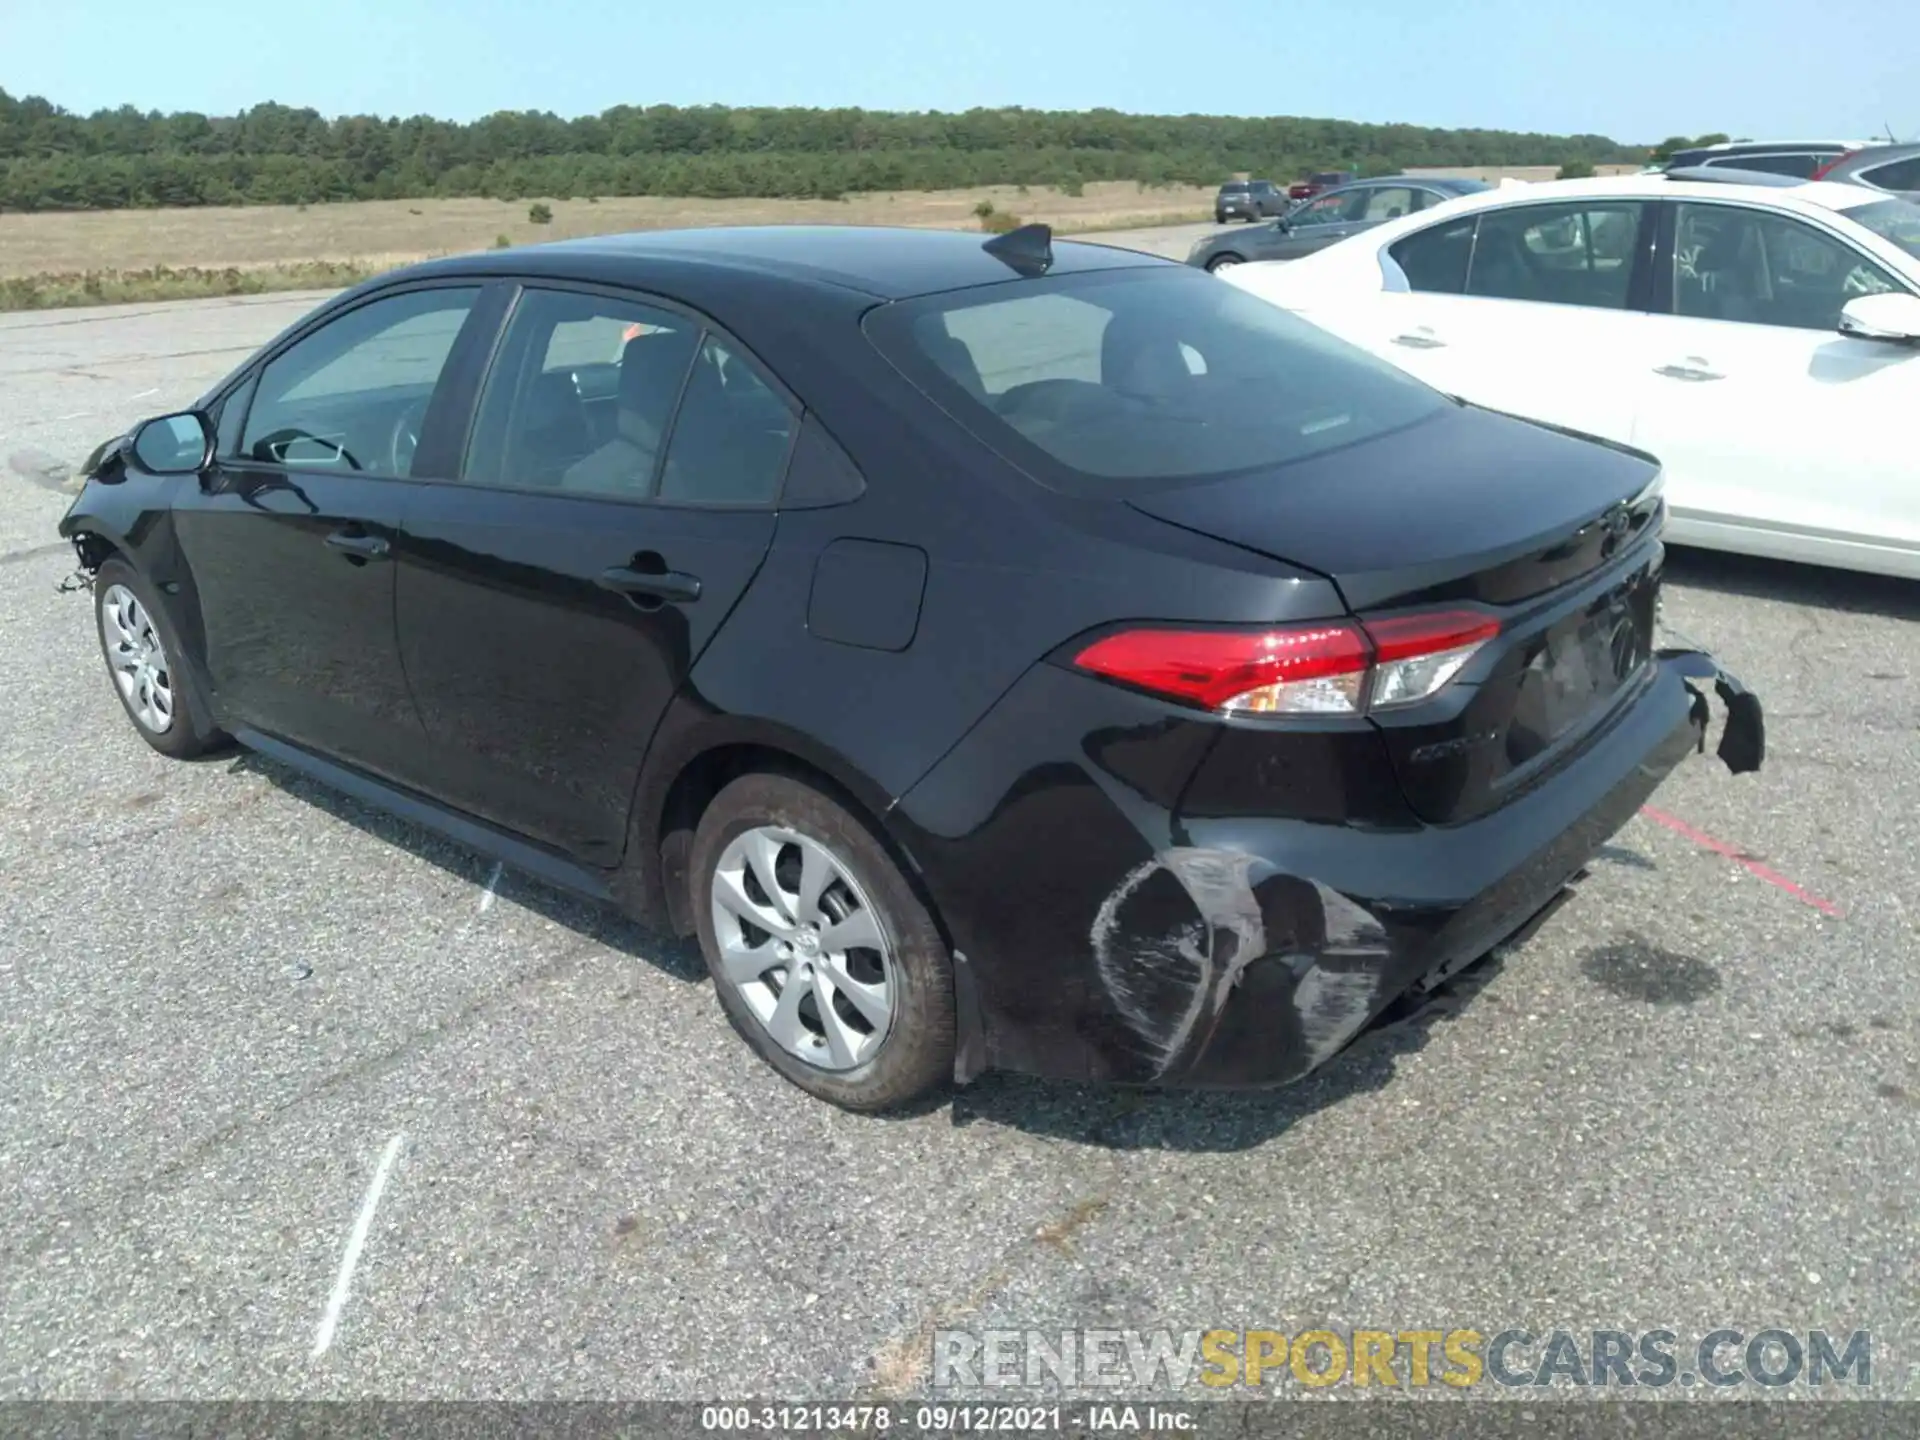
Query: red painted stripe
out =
(1739, 857)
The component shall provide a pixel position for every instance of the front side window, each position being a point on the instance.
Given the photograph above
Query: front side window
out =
(1132, 380)
(580, 396)
(1330, 209)
(1573, 254)
(1759, 268)
(352, 395)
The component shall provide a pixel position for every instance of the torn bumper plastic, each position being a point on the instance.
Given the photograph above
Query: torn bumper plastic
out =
(1743, 740)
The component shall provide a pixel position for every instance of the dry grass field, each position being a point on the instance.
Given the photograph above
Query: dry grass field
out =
(102, 257)
(379, 234)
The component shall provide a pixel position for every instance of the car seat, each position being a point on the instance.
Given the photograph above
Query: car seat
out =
(553, 432)
(953, 357)
(1140, 356)
(652, 367)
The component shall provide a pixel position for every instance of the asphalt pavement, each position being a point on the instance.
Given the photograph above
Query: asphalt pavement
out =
(243, 1021)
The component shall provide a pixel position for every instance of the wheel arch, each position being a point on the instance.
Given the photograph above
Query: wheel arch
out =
(662, 839)
(688, 770)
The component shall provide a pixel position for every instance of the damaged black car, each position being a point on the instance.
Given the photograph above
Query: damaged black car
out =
(1011, 654)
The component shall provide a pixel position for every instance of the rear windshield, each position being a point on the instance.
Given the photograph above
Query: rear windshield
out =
(1331, 177)
(1234, 185)
(1895, 220)
(1122, 381)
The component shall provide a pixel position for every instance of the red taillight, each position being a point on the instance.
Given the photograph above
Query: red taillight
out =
(1335, 668)
(1415, 655)
(1241, 671)
(1821, 173)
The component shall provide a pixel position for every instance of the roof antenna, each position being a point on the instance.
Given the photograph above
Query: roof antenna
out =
(1028, 250)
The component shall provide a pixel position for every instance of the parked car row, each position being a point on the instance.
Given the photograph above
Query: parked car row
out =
(1759, 335)
(1329, 217)
(999, 654)
(1894, 168)
(1258, 199)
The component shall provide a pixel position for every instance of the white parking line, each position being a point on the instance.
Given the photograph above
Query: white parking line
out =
(486, 896)
(356, 1242)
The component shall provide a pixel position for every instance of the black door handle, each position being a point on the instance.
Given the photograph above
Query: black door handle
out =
(357, 545)
(655, 585)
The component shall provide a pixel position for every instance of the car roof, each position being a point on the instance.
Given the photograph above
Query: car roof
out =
(1869, 156)
(1756, 146)
(884, 262)
(1826, 194)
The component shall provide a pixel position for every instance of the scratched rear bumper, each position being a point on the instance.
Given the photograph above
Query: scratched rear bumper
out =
(1107, 935)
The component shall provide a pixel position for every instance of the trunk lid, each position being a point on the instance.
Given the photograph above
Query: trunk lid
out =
(1553, 534)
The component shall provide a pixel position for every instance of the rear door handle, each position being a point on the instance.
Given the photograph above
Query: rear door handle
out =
(1692, 368)
(1421, 339)
(358, 545)
(661, 585)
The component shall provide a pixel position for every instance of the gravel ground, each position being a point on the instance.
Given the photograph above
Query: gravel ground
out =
(227, 997)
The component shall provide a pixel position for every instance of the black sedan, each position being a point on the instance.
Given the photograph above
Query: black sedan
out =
(1334, 215)
(1006, 654)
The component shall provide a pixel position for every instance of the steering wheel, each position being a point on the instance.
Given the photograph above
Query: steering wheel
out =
(405, 439)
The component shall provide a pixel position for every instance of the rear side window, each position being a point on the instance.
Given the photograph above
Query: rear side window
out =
(731, 437)
(1577, 254)
(580, 396)
(1389, 202)
(1900, 175)
(1131, 380)
(1785, 163)
(1435, 260)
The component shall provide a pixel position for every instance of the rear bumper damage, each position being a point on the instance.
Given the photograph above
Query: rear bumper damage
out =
(1254, 949)
(1287, 1010)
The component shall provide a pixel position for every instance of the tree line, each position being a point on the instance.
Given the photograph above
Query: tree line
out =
(52, 159)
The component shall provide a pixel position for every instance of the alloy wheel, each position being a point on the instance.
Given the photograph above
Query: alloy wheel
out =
(802, 945)
(138, 659)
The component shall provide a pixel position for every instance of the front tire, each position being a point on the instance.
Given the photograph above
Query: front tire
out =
(144, 662)
(823, 957)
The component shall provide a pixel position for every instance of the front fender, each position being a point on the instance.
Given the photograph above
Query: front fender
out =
(131, 514)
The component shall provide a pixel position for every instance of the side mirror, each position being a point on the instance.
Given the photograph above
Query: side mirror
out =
(179, 444)
(1894, 318)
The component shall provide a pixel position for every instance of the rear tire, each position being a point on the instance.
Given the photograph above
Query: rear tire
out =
(1224, 262)
(866, 1024)
(145, 662)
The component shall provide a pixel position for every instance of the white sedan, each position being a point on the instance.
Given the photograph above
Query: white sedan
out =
(1762, 341)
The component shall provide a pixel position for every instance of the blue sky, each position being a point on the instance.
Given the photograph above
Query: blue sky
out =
(1633, 69)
